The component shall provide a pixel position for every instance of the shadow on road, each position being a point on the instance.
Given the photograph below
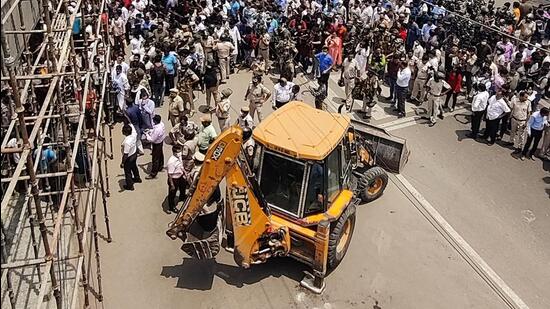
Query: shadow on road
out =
(121, 183)
(196, 274)
(146, 167)
(463, 118)
(462, 134)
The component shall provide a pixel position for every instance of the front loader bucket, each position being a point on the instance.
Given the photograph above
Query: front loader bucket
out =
(203, 248)
(390, 151)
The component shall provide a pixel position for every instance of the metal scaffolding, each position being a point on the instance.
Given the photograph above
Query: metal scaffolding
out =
(56, 143)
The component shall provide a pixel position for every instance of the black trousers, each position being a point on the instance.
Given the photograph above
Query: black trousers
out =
(491, 130)
(131, 171)
(279, 104)
(323, 79)
(169, 82)
(534, 138)
(157, 94)
(157, 161)
(468, 77)
(401, 94)
(449, 95)
(476, 122)
(179, 185)
(505, 120)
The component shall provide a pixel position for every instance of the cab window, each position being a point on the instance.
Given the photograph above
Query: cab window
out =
(315, 201)
(281, 182)
(333, 174)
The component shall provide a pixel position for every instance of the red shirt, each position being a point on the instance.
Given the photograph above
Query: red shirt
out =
(403, 34)
(455, 81)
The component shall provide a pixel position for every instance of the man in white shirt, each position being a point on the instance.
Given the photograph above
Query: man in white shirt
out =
(176, 177)
(129, 157)
(236, 39)
(122, 87)
(123, 65)
(156, 137)
(479, 103)
(496, 108)
(282, 93)
(402, 86)
(366, 14)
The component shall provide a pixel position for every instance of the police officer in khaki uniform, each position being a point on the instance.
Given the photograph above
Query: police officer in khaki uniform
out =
(257, 94)
(350, 71)
(370, 87)
(175, 106)
(186, 83)
(224, 50)
(263, 48)
(222, 109)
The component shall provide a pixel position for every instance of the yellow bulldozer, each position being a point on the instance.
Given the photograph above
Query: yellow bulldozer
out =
(294, 193)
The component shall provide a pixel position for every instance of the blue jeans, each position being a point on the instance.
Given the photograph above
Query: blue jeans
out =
(316, 69)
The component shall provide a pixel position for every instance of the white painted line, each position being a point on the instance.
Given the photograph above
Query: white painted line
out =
(462, 247)
(412, 120)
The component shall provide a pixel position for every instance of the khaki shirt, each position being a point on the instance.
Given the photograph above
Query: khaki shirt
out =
(257, 93)
(258, 67)
(176, 106)
(224, 49)
(520, 110)
(222, 110)
(351, 70)
(264, 41)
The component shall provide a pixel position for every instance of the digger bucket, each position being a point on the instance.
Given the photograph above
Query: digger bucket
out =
(206, 248)
(390, 152)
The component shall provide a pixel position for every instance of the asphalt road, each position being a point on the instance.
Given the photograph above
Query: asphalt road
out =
(397, 259)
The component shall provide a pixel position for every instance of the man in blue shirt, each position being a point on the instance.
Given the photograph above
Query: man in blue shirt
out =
(235, 6)
(47, 157)
(325, 65)
(535, 127)
(134, 116)
(170, 63)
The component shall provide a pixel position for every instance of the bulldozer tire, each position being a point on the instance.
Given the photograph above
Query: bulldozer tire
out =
(340, 237)
(372, 184)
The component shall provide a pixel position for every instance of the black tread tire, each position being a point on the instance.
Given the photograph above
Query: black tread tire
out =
(367, 179)
(334, 257)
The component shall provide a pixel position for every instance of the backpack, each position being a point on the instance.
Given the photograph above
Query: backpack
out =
(157, 74)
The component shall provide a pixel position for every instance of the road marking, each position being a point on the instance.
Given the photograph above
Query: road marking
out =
(459, 244)
(412, 120)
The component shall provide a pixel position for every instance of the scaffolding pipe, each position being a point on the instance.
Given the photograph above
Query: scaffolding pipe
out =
(11, 295)
(44, 76)
(9, 62)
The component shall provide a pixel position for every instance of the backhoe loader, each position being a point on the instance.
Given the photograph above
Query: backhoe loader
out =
(296, 195)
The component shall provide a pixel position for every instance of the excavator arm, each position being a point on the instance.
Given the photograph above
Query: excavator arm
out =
(255, 237)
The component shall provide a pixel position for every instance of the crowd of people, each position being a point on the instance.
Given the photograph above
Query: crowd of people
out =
(435, 54)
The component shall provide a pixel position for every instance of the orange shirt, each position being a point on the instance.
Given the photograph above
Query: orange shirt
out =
(517, 14)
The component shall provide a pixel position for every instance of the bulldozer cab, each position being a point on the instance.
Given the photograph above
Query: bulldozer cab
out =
(303, 170)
